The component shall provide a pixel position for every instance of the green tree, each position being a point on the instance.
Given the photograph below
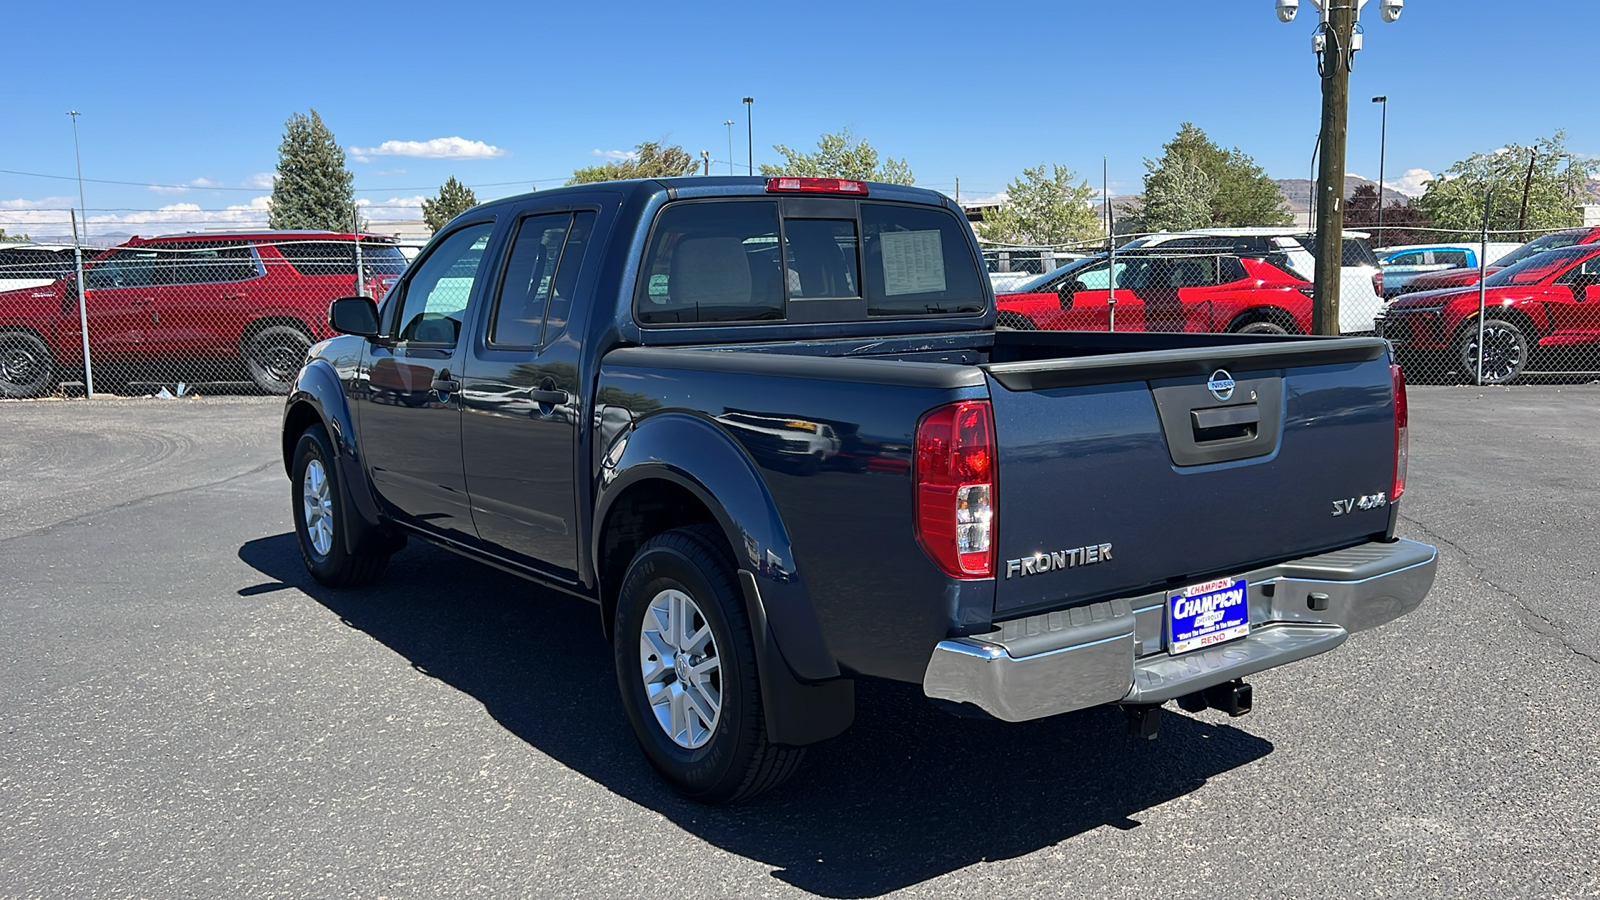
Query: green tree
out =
(454, 199)
(1044, 208)
(650, 159)
(6, 238)
(841, 155)
(313, 188)
(1454, 200)
(1404, 222)
(1177, 197)
(1242, 194)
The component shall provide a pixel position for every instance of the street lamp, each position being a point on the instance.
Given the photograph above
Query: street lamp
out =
(750, 132)
(1383, 138)
(77, 254)
(729, 123)
(1335, 42)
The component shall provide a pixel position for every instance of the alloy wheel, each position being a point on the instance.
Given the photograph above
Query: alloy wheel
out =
(681, 670)
(317, 500)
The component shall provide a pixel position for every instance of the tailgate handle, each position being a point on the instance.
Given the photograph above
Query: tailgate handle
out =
(1225, 422)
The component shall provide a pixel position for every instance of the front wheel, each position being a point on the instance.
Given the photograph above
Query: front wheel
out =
(274, 355)
(25, 365)
(686, 669)
(321, 519)
(1505, 352)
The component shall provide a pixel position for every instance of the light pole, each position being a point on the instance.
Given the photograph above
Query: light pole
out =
(750, 133)
(729, 123)
(77, 254)
(1337, 38)
(1383, 139)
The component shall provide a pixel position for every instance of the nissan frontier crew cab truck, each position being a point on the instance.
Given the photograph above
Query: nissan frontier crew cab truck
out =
(768, 428)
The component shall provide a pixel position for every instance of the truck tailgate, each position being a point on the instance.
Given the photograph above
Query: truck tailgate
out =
(1127, 472)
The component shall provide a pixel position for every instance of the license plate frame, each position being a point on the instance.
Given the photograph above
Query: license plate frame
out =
(1206, 614)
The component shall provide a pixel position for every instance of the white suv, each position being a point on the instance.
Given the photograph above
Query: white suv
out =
(1361, 278)
(34, 265)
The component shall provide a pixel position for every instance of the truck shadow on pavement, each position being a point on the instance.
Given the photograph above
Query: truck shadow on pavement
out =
(909, 793)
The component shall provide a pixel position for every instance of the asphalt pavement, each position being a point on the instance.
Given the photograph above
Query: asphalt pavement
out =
(184, 713)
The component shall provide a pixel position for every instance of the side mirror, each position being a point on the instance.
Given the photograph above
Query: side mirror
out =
(1067, 290)
(354, 315)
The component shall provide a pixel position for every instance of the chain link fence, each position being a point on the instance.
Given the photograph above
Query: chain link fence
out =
(1535, 317)
(223, 312)
(237, 311)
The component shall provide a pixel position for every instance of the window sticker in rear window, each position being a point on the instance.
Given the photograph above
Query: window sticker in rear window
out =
(913, 262)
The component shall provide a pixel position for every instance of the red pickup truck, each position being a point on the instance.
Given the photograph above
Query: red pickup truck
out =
(1547, 306)
(1171, 290)
(191, 306)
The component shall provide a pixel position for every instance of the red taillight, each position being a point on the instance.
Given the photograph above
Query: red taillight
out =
(816, 186)
(1377, 282)
(954, 474)
(1402, 419)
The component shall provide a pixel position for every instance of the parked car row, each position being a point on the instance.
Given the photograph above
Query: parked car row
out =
(1466, 276)
(1405, 262)
(1546, 305)
(1214, 279)
(198, 305)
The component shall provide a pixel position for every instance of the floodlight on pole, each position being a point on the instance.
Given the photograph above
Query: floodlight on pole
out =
(1383, 140)
(750, 133)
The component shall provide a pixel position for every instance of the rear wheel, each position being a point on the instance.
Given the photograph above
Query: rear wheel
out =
(686, 669)
(1505, 352)
(321, 520)
(274, 355)
(26, 366)
(1264, 323)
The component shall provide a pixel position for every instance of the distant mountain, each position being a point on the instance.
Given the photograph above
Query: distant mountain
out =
(1297, 191)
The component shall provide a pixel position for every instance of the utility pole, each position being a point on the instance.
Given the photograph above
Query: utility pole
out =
(1334, 64)
(729, 123)
(958, 190)
(1527, 185)
(1383, 149)
(705, 156)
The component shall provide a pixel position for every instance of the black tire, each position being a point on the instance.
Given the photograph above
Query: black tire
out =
(735, 761)
(26, 367)
(331, 563)
(274, 355)
(1263, 324)
(1010, 321)
(1507, 356)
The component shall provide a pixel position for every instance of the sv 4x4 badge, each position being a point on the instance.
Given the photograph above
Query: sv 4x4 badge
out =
(1365, 501)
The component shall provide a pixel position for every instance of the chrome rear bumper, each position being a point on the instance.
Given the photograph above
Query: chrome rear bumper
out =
(1115, 651)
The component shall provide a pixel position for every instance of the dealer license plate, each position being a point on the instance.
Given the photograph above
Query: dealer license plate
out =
(1204, 614)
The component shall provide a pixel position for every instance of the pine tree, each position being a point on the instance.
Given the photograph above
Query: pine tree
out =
(1242, 194)
(454, 199)
(313, 188)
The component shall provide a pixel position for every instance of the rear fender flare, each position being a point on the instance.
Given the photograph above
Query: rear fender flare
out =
(703, 459)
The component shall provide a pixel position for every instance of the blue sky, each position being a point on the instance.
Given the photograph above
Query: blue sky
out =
(196, 94)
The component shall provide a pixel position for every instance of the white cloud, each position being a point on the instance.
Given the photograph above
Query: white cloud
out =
(615, 154)
(201, 182)
(394, 208)
(1411, 183)
(261, 181)
(438, 148)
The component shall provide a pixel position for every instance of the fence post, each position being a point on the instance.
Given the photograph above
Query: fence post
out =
(1483, 264)
(83, 310)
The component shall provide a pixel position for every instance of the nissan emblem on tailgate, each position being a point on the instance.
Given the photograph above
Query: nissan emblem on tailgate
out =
(1221, 384)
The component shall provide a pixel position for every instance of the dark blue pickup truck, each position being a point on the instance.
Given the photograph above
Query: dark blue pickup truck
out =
(768, 428)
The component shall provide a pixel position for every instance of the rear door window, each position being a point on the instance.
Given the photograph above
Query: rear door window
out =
(535, 297)
(314, 257)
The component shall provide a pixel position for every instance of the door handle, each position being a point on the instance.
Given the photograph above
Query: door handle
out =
(553, 398)
(446, 385)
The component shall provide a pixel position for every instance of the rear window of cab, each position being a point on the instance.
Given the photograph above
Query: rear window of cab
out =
(771, 260)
